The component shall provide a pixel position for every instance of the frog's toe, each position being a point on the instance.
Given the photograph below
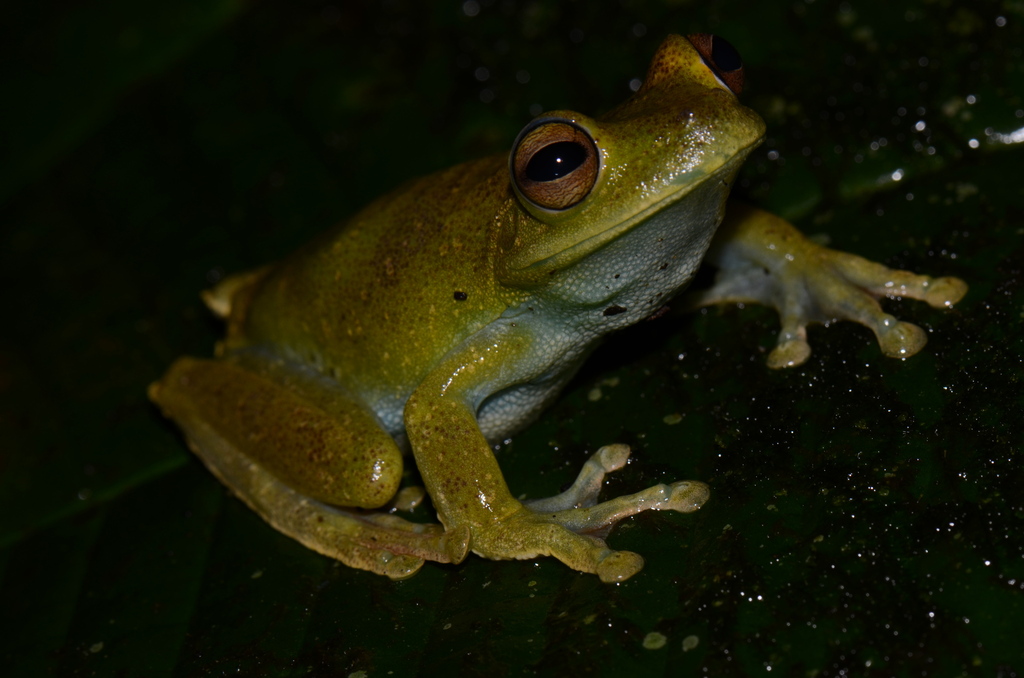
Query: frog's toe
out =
(455, 543)
(394, 567)
(792, 348)
(578, 509)
(789, 353)
(619, 566)
(899, 339)
(944, 292)
(685, 496)
(896, 338)
(407, 498)
(879, 281)
(612, 457)
(583, 492)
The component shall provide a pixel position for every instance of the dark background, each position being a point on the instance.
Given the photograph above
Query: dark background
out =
(866, 515)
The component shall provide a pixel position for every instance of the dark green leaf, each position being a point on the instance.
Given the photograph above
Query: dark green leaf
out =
(866, 516)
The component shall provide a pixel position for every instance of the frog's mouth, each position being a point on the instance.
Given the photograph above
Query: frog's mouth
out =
(579, 251)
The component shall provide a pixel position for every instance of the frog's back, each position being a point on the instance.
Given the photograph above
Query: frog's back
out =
(376, 301)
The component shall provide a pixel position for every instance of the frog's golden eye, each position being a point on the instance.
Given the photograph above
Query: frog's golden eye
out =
(554, 164)
(721, 57)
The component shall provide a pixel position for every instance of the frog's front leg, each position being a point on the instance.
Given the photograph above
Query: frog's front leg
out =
(763, 259)
(469, 491)
(298, 449)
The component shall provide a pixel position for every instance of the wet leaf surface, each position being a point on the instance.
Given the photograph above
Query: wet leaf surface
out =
(866, 517)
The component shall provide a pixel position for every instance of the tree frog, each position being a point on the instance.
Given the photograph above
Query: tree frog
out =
(446, 315)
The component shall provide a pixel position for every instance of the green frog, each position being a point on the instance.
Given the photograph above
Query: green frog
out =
(448, 314)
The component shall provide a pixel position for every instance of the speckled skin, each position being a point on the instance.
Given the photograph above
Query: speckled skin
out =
(448, 313)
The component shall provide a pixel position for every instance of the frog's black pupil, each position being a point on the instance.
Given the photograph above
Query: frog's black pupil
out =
(724, 55)
(555, 161)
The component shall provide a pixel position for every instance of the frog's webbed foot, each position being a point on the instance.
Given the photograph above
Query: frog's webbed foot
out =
(764, 260)
(571, 525)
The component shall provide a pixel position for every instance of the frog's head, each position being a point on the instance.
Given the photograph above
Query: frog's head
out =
(582, 182)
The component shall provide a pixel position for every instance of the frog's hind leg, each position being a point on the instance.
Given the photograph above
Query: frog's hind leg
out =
(274, 435)
(378, 542)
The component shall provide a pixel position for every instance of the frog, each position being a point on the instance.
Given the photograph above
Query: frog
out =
(446, 315)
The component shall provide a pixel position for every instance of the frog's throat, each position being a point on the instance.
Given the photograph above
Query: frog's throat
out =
(579, 251)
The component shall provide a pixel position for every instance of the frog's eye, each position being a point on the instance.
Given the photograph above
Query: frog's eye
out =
(554, 164)
(721, 57)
